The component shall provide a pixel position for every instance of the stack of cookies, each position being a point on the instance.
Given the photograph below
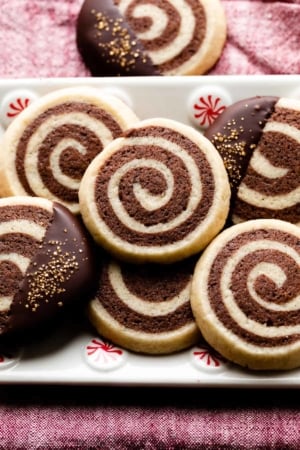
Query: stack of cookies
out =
(246, 286)
(180, 234)
(156, 196)
(47, 257)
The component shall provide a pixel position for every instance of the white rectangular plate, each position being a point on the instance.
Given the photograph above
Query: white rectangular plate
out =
(72, 354)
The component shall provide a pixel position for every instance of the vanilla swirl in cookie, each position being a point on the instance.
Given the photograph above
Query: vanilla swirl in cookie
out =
(159, 193)
(246, 294)
(22, 229)
(51, 144)
(145, 307)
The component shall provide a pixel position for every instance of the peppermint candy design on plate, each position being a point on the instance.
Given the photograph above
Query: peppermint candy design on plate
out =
(206, 358)
(158, 194)
(17, 106)
(206, 104)
(245, 294)
(48, 147)
(271, 186)
(103, 355)
(208, 109)
(14, 102)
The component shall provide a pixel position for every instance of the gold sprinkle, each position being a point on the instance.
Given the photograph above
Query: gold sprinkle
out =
(232, 149)
(119, 48)
(49, 278)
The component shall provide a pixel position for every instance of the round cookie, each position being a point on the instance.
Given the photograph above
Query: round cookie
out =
(46, 149)
(259, 141)
(160, 193)
(145, 308)
(245, 294)
(150, 37)
(46, 262)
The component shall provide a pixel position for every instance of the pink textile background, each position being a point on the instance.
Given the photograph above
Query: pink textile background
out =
(37, 39)
(148, 419)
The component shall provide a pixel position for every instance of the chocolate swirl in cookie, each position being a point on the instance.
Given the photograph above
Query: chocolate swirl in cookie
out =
(271, 186)
(51, 144)
(145, 308)
(259, 141)
(246, 294)
(160, 193)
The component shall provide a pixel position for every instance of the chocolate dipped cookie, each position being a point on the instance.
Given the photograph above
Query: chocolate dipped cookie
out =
(259, 141)
(48, 146)
(145, 308)
(245, 294)
(159, 194)
(46, 262)
(150, 37)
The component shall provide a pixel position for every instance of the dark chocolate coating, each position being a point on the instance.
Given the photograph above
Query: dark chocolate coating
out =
(61, 273)
(280, 149)
(107, 43)
(236, 133)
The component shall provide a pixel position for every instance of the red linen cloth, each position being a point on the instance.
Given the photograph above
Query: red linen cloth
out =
(37, 39)
(148, 419)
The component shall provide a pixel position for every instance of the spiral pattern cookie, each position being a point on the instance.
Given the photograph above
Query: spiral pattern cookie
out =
(259, 140)
(145, 308)
(160, 193)
(245, 294)
(46, 262)
(46, 149)
(150, 37)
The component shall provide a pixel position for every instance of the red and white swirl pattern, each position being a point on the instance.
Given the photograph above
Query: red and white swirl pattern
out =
(102, 355)
(50, 144)
(178, 35)
(271, 187)
(246, 294)
(158, 194)
(23, 225)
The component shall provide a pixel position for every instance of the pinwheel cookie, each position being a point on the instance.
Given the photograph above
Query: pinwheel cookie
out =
(259, 141)
(145, 308)
(46, 262)
(46, 149)
(150, 37)
(160, 193)
(245, 294)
